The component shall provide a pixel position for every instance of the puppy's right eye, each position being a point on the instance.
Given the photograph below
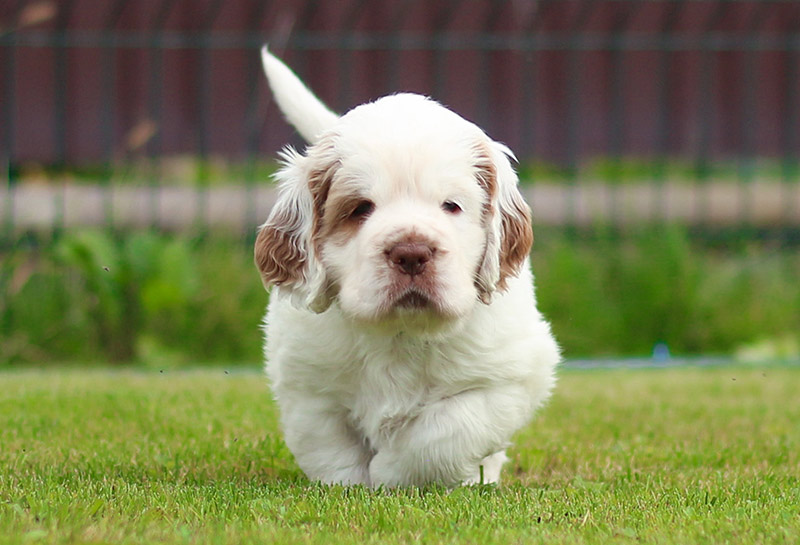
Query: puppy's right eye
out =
(362, 210)
(451, 207)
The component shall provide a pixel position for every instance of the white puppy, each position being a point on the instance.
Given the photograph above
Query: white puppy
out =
(403, 341)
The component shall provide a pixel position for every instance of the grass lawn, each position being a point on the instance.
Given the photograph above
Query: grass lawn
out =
(686, 455)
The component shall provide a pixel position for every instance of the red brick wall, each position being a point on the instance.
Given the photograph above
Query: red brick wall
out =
(83, 103)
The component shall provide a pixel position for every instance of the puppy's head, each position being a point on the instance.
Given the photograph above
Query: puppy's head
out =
(402, 211)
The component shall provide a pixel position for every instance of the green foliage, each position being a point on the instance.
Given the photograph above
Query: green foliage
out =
(217, 171)
(680, 456)
(94, 295)
(175, 300)
(627, 170)
(611, 294)
(111, 275)
(625, 295)
(171, 170)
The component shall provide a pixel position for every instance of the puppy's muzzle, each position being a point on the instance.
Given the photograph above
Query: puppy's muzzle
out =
(410, 257)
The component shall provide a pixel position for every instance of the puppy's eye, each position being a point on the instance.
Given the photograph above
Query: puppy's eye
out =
(451, 207)
(362, 210)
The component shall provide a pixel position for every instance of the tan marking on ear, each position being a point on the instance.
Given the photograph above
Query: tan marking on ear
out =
(517, 239)
(281, 252)
(487, 179)
(516, 236)
(277, 255)
(319, 183)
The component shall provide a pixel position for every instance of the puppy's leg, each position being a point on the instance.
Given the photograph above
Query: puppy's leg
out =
(450, 439)
(323, 442)
(491, 466)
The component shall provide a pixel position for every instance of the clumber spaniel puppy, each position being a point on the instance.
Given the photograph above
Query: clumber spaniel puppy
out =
(403, 341)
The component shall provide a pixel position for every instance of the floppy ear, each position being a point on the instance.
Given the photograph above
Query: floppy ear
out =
(507, 218)
(286, 249)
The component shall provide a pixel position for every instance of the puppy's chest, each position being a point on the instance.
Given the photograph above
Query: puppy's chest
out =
(396, 386)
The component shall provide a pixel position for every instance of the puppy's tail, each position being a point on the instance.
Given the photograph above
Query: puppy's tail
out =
(302, 109)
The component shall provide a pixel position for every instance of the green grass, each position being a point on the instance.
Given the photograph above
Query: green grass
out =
(655, 456)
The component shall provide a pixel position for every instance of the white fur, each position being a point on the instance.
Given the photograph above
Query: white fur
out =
(302, 109)
(379, 394)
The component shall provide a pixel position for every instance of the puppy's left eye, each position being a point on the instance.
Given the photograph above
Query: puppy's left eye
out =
(451, 207)
(362, 210)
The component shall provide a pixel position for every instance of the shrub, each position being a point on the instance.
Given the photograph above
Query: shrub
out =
(171, 300)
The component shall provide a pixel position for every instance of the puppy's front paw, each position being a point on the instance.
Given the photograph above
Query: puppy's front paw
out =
(384, 471)
(488, 471)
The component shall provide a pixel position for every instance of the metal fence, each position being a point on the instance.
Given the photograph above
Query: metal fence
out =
(155, 112)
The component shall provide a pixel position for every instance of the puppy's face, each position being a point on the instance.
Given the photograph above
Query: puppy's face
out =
(404, 213)
(402, 232)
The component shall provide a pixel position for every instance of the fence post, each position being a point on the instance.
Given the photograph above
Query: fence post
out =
(790, 139)
(7, 122)
(663, 124)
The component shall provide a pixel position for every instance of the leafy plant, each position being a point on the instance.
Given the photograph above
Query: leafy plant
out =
(175, 301)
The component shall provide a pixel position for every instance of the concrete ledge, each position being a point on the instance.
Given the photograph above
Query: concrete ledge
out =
(237, 207)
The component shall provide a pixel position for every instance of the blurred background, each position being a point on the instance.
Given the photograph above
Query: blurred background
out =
(658, 144)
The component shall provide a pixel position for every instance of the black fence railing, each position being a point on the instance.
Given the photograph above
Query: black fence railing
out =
(155, 112)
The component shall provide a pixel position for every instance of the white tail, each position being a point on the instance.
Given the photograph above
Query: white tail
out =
(304, 111)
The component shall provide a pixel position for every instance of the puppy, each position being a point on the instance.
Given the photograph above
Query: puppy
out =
(403, 342)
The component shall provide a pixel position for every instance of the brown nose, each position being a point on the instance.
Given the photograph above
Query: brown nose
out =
(410, 257)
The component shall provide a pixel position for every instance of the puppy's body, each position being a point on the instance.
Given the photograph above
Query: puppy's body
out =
(420, 408)
(402, 337)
